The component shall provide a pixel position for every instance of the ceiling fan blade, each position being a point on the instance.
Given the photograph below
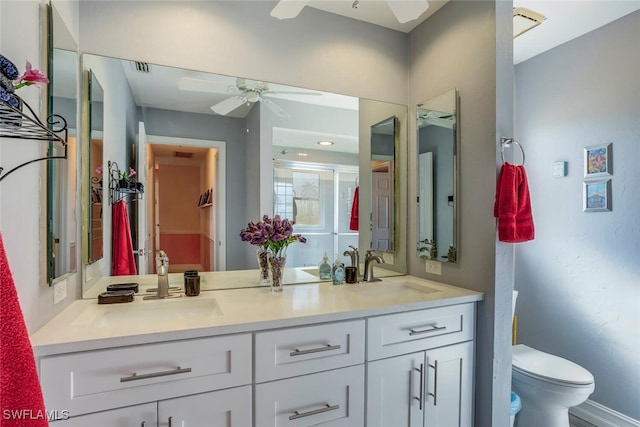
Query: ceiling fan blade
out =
(287, 9)
(281, 92)
(228, 105)
(199, 85)
(407, 10)
(275, 108)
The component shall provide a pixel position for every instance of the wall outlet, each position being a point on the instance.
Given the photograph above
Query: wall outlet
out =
(433, 267)
(59, 291)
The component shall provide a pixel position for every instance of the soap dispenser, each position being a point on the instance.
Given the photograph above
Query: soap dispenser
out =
(325, 268)
(337, 272)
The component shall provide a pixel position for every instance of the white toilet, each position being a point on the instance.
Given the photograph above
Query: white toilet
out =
(548, 386)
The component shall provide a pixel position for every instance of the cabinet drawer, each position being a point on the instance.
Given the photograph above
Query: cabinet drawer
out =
(103, 379)
(412, 331)
(297, 351)
(333, 398)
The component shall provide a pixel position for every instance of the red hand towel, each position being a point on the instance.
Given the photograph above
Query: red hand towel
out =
(355, 216)
(122, 260)
(21, 402)
(512, 205)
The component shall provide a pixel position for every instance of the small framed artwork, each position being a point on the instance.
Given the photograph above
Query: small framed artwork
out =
(598, 161)
(597, 196)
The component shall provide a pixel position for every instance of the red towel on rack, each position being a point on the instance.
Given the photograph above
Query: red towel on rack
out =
(122, 260)
(20, 392)
(355, 216)
(512, 205)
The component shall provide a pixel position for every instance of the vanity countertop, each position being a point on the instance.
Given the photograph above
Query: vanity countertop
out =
(87, 325)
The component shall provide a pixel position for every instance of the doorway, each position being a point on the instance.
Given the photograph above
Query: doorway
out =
(184, 210)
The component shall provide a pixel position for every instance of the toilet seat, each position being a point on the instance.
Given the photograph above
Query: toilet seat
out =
(547, 367)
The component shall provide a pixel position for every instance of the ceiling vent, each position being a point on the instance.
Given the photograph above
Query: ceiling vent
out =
(141, 67)
(182, 154)
(524, 20)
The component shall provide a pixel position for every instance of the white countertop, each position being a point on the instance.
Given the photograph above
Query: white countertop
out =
(87, 325)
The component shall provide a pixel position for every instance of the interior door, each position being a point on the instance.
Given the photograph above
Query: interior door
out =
(143, 174)
(382, 213)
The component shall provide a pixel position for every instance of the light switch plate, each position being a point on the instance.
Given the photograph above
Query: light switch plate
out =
(559, 169)
(433, 267)
(59, 291)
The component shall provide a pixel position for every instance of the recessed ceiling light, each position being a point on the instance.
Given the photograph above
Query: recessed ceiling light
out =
(525, 19)
(325, 143)
(303, 154)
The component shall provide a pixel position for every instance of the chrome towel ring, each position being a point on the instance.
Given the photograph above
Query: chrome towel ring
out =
(505, 141)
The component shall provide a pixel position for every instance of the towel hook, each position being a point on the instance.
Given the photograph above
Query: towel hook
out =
(504, 141)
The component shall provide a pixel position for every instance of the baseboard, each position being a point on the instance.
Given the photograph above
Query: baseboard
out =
(601, 416)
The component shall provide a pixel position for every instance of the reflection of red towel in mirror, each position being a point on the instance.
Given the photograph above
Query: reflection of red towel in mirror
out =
(20, 391)
(512, 205)
(353, 222)
(122, 261)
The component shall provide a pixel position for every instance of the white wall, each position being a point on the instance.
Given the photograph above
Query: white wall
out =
(579, 279)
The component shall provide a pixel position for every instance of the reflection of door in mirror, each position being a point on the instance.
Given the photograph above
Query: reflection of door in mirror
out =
(437, 153)
(61, 174)
(383, 146)
(96, 173)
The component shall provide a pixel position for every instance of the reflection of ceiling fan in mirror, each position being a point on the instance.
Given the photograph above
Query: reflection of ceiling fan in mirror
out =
(403, 10)
(244, 92)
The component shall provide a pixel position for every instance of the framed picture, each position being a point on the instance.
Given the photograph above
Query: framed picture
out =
(598, 161)
(597, 196)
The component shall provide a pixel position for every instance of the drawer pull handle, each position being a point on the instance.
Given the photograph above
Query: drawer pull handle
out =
(432, 328)
(327, 347)
(421, 398)
(327, 408)
(135, 376)
(435, 383)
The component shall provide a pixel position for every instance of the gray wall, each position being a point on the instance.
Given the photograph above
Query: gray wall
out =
(579, 279)
(468, 45)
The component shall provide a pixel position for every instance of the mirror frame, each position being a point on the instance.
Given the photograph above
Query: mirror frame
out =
(452, 253)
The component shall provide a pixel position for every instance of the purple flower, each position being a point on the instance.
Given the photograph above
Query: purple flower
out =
(274, 234)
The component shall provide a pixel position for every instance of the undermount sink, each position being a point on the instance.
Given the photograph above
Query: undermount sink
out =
(393, 288)
(145, 311)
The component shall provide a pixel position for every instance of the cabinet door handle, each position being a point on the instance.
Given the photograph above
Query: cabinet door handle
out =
(135, 376)
(435, 383)
(421, 397)
(327, 347)
(432, 328)
(326, 408)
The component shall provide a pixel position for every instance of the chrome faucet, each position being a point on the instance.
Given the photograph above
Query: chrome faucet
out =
(162, 267)
(368, 266)
(355, 259)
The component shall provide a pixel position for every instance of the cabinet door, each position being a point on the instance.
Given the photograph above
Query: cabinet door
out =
(394, 396)
(449, 386)
(224, 408)
(132, 416)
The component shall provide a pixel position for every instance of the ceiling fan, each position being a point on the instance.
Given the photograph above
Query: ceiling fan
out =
(243, 92)
(404, 10)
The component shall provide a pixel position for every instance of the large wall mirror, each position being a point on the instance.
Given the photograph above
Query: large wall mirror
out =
(62, 242)
(214, 152)
(437, 125)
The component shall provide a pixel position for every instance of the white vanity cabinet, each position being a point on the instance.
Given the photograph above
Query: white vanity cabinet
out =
(420, 368)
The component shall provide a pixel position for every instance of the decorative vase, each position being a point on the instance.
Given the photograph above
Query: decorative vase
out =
(263, 266)
(277, 271)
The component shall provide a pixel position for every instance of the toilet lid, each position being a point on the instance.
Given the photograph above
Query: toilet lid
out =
(540, 364)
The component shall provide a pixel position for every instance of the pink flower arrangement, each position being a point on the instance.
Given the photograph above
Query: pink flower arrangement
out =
(31, 77)
(127, 175)
(274, 234)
